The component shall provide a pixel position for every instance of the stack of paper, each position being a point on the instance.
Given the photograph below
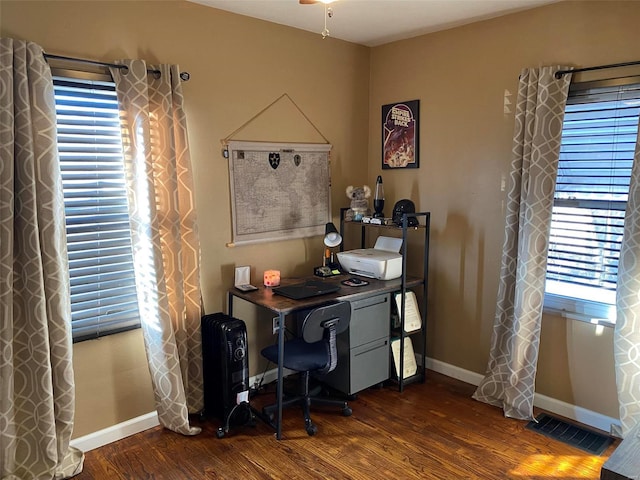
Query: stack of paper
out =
(410, 366)
(412, 318)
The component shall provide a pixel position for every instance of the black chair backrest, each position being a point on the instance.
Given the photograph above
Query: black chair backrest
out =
(321, 318)
(326, 322)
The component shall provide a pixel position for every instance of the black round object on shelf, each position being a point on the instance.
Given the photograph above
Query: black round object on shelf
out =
(401, 207)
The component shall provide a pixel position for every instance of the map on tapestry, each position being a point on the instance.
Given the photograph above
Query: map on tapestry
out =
(278, 190)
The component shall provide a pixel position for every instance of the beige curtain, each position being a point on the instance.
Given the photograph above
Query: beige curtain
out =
(36, 377)
(510, 378)
(627, 330)
(165, 241)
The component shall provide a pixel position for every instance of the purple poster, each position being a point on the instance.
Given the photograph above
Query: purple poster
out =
(400, 134)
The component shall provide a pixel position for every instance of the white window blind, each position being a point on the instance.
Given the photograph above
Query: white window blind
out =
(598, 144)
(103, 291)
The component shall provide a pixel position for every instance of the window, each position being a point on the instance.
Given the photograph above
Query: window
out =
(103, 291)
(598, 142)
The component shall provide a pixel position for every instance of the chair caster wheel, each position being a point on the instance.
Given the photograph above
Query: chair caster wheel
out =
(311, 429)
(346, 411)
(220, 432)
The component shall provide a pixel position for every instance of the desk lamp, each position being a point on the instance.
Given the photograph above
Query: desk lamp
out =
(331, 240)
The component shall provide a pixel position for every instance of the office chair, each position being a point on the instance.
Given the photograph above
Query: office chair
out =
(313, 352)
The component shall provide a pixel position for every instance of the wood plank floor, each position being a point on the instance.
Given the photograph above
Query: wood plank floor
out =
(432, 430)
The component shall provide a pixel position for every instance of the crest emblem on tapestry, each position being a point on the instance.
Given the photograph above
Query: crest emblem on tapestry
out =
(274, 160)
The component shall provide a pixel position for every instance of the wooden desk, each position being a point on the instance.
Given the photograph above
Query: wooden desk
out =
(284, 306)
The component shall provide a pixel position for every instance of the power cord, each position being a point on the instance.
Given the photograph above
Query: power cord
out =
(258, 384)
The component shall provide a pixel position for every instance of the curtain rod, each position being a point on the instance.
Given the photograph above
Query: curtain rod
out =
(183, 75)
(560, 73)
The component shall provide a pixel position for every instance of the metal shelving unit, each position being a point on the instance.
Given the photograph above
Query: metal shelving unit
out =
(420, 375)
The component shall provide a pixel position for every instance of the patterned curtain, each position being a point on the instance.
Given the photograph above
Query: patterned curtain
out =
(510, 378)
(36, 377)
(165, 240)
(627, 331)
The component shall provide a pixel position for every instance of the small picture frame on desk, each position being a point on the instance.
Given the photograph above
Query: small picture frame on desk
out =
(242, 279)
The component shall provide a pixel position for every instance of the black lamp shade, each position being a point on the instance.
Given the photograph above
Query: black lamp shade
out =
(331, 236)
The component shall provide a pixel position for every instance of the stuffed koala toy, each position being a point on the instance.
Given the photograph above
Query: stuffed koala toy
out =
(359, 203)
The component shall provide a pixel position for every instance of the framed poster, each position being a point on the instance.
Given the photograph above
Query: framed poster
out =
(400, 128)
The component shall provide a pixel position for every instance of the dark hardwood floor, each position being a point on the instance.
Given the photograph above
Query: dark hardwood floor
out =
(432, 430)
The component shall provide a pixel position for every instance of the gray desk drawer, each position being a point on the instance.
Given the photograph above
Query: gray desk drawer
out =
(371, 362)
(363, 349)
(369, 320)
(360, 367)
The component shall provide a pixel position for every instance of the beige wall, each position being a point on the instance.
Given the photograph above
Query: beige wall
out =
(112, 381)
(240, 65)
(460, 76)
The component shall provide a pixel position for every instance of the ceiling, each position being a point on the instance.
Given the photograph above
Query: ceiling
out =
(375, 22)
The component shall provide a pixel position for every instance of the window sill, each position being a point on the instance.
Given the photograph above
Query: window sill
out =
(581, 317)
(595, 313)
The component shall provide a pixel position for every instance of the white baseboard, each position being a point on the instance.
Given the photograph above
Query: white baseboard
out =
(143, 422)
(116, 432)
(573, 412)
(150, 420)
(268, 377)
(451, 371)
(579, 414)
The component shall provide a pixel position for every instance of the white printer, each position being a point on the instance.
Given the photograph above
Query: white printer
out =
(383, 261)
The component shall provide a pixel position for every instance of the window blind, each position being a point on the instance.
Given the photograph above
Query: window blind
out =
(103, 291)
(598, 144)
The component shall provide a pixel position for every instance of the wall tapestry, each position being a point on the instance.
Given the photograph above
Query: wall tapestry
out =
(278, 190)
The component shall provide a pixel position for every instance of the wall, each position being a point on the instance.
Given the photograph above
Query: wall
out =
(461, 76)
(238, 66)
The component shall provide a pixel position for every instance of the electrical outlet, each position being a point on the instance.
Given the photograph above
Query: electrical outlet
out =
(275, 320)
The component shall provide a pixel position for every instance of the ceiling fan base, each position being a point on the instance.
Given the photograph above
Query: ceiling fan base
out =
(311, 2)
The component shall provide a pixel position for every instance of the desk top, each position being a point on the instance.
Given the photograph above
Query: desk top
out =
(265, 297)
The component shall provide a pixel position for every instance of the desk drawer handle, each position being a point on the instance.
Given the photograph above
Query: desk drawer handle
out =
(369, 302)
